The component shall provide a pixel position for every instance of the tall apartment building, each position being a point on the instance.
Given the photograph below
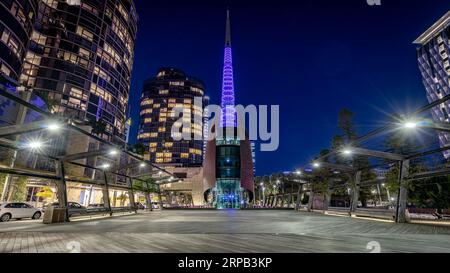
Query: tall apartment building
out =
(433, 54)
(77, 54)
(161, 95)
(16, 26)
(81, 55)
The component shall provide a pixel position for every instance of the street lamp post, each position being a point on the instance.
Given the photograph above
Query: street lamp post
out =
(261, 185)
(264, 195)
(379, 194)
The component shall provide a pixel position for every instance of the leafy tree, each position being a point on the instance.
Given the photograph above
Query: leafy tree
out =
(2, 183)
(347, 133)
(19, 189)
(50, 102)
(98, 127)
(5, 160)
(431, 193)
(305, 199)
(147, 185)
(425, 193)
(122, 198)
(322, 176)
(346, 125)
(400, 142)
(138, 148)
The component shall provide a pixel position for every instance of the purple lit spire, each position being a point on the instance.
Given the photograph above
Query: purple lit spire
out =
(228, 110)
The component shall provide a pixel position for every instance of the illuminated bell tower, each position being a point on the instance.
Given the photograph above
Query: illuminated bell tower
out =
(228, 192)
(228, 99)
(228, 176)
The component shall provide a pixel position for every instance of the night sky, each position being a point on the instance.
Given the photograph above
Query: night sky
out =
(312, 58)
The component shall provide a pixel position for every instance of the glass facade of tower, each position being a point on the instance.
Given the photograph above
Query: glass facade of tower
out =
(16, 25)
(434, 64)
(228, 191)
(169, 90)
(81, 56)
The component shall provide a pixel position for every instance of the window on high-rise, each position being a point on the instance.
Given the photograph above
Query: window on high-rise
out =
(17, 11)
(38, 38)
(10, 41)
(5, 70)
(89, 8)
(177, 83)
(122, 11)
(81, 31)
(147, 102)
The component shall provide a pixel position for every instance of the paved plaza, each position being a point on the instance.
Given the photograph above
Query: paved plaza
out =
(185, 231)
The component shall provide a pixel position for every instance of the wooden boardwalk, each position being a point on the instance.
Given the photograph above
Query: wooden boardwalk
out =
(221, 231)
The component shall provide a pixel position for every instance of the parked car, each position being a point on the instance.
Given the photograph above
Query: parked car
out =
(139, 206)
(96, 206)
(18, 211)
(74, 209)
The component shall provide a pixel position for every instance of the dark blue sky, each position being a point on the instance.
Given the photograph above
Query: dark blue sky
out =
(311, 57)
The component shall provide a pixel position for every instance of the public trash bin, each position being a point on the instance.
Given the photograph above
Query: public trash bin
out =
(54, 215)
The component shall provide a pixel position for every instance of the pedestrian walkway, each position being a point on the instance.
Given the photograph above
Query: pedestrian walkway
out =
(223, 231)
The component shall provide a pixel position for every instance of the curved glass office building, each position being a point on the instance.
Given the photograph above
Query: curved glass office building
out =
(171, 89)
(433, 53)
(81, 56)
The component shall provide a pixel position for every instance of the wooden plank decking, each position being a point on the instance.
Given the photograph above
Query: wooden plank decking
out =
(222, 231)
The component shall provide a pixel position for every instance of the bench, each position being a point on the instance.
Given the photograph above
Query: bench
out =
(423, 213)
(338, 210)
(387, 214)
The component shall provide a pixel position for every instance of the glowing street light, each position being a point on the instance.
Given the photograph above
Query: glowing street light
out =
(34, 145)
(142, 165)
(298, 172)
(105, 166)
(347, 151)
(53, 127)
(316, 164)
(410, 124)
(113, 152)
